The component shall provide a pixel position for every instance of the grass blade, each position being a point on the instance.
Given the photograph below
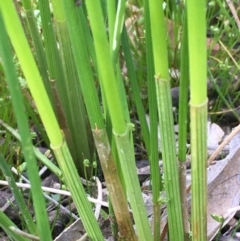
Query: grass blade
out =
(32, 168)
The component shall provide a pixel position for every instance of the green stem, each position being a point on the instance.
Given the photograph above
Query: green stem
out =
(121, 131)
(183, 124)
(196, 16)
(166, 119)
(152, 99)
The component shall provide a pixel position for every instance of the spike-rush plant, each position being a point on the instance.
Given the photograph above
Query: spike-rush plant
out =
(76, 68)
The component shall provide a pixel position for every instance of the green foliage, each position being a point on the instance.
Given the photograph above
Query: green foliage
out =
(85, 70)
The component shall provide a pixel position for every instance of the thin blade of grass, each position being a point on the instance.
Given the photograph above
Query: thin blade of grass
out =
(38, 45)
(41, 157)
(154, 156)
(17, 100)
(183, 124)
(6, 225)
(31, 226)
